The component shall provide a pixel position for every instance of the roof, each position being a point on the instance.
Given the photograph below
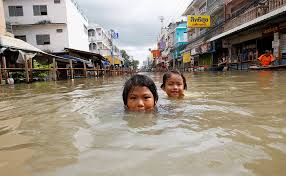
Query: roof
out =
(76, 59)
(13, 43)
(251, 23)
(85, 53)
(10, 42)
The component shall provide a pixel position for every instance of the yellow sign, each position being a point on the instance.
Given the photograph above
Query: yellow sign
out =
(116, 60)
(186, 57)
(199, 21)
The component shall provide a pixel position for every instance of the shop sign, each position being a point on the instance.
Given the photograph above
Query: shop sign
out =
(186, 57)
(199, 21)
(275, 44)
(208, 47)
(195, 51)
(270, 30)
(204, 48)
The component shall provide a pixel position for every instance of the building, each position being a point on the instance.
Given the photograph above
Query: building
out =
(50, 25)
(203, 52)
(2, 19)
(250, 28)
(101, 42)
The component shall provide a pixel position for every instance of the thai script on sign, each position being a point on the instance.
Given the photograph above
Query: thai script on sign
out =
(199, 21)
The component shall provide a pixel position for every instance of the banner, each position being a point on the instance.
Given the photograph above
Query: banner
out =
(198, 21)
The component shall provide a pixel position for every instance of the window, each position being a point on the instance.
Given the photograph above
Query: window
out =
(43, 39)
(40, 10)
(92, 46)
(59, 30)
(57, 1)
(21, 37)
(16, 11)
(91, 32)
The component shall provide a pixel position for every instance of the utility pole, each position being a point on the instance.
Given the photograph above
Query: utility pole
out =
(161, 18)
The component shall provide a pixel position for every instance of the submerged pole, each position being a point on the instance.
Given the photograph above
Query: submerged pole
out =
(54, 69)
(71, 67)
(27, 69)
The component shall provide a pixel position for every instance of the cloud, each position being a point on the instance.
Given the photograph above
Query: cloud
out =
(137, 22)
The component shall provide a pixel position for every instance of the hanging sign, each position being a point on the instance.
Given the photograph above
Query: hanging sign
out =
(199, 21)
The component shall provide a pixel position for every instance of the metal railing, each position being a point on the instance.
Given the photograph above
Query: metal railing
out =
(214, 6)
(252, 11)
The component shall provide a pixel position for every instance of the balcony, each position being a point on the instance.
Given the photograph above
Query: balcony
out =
(214, 6)
(254, 11)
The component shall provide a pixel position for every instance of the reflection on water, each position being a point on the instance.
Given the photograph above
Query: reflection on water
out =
(228, 124)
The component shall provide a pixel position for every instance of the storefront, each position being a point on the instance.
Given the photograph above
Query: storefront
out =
(206, 56)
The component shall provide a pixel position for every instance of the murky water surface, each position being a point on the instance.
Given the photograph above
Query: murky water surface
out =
(231, 123)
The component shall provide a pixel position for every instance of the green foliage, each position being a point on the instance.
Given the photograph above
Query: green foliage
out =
(38, 65)
(40, 75)
(126, 57)
(128, 61)
(135, 64)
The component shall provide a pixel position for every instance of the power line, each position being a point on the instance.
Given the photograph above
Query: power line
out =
(180, 6)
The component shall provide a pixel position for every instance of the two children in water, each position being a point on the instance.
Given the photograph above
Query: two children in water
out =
(140, 92)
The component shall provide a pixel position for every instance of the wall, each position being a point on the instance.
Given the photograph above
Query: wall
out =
(2, 19)
(77, 35)
(56, 12)
(58, 40)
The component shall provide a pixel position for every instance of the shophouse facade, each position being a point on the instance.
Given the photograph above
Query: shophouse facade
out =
(203, 52)
(251, 27)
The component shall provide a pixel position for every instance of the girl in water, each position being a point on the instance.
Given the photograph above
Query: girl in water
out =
(174, 84)
(140, 93)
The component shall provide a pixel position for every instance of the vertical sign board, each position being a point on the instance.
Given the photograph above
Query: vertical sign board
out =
(199, 21)
(187, 57)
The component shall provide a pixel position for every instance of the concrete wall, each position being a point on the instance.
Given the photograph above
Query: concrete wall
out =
(58, 41)
(66, 15)
(56, 12)
(77, 27)
(2, 19)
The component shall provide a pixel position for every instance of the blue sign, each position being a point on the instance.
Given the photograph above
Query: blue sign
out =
(115, 35)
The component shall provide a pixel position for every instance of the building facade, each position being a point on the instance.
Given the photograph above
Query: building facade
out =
(202, 51)
(101, 42)
(2, 19)
(50, 25)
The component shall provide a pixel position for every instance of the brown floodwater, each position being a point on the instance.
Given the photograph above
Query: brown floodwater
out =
(229, 123)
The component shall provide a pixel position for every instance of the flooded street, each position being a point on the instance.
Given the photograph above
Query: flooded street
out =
(229, 123)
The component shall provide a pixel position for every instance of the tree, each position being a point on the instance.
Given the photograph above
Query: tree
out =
(135, 64)
(126, 57)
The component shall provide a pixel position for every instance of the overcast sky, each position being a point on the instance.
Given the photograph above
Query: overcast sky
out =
(137, 21)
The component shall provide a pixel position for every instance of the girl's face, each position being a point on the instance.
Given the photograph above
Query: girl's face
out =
(140, 99)
(174, 86)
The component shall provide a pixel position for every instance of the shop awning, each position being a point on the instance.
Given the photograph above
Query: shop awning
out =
(76, 59)
(262, 18)
(85, 54)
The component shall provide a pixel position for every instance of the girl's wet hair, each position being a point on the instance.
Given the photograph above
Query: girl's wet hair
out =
(139, 81)
(169, 74)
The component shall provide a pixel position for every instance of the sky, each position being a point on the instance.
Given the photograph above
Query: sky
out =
(136, 21)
